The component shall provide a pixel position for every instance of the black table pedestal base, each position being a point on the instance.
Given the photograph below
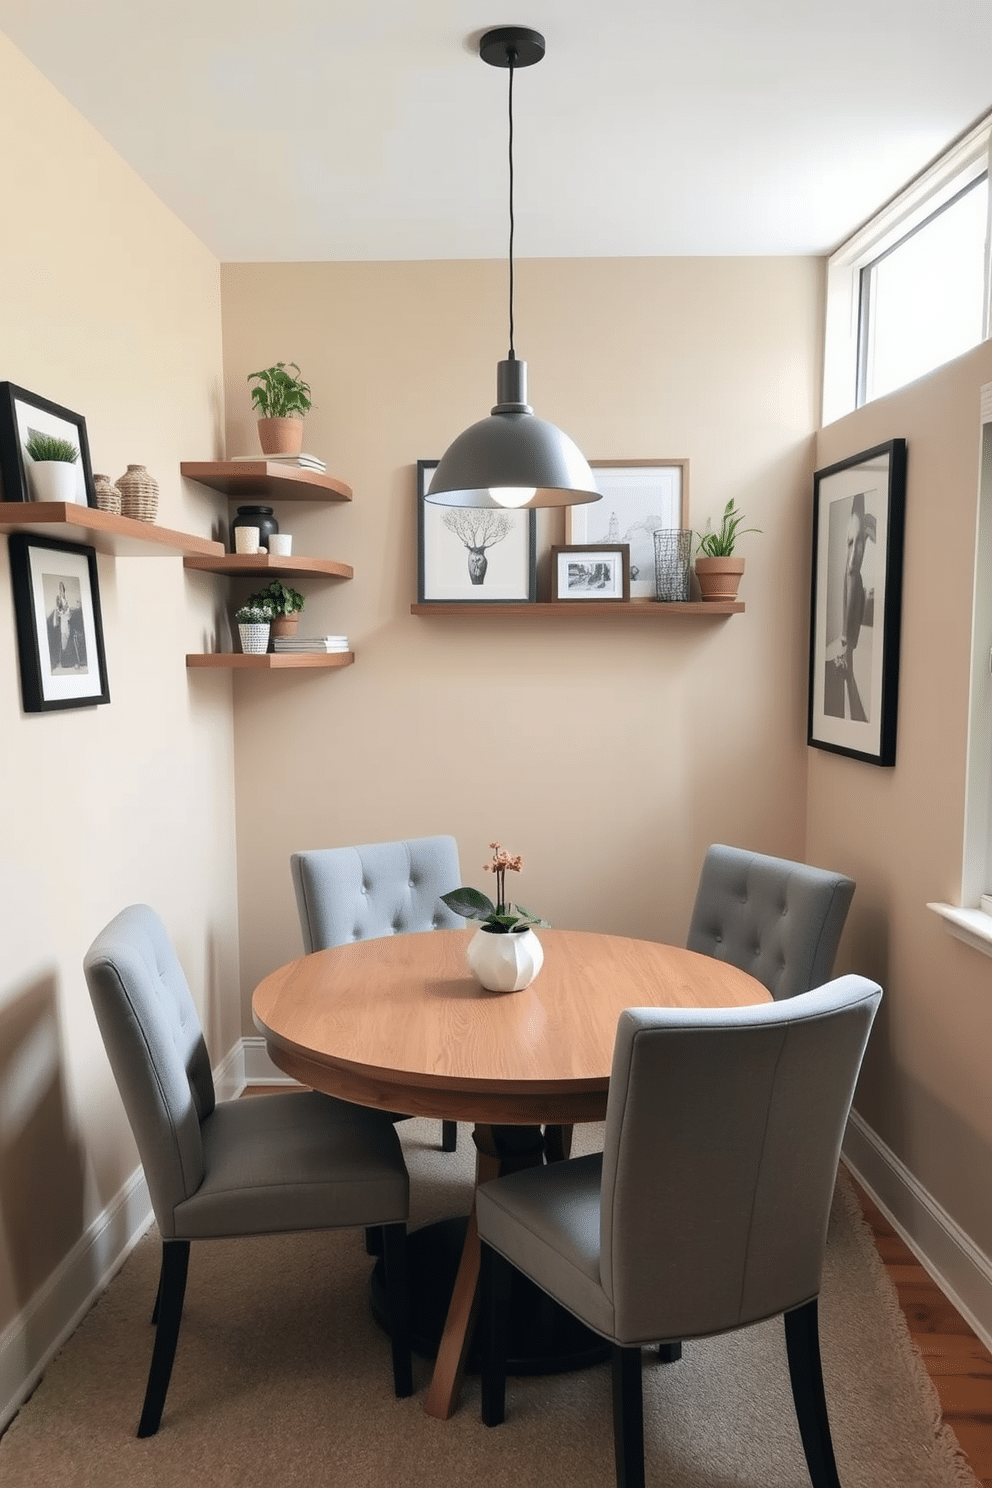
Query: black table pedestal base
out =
(544, 1338)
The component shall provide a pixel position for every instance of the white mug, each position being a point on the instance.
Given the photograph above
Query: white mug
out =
(280, 544)
(246, 539)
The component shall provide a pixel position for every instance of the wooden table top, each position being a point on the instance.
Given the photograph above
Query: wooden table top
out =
(400, 1023)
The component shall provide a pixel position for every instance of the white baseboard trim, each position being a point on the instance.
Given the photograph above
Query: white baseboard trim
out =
(32, 1339)
(961, 1270)
(59, 1305)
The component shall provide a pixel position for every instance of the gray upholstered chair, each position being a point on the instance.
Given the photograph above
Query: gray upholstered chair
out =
(778, 920)
(689, 1227)
(264, 1165)
(380, 888)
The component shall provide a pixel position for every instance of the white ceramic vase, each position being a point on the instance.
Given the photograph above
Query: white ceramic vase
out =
(254, 639)
(505, 963)
(52, 480)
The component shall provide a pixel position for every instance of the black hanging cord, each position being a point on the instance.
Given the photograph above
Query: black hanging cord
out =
(512, 55)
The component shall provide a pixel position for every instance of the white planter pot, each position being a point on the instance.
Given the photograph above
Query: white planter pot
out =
(52, 480)
(505, 963)
(254, 639)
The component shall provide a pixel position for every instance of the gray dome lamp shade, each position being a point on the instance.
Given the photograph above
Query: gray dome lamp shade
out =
(512, 458)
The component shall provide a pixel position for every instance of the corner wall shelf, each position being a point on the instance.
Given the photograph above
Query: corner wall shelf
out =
(265, 478)
(693, 608)
(269, 662)
(247, 565)
(122, 537)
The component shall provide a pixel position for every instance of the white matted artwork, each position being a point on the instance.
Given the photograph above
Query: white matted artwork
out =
(23, 414)
(638, 498)
(471, 555)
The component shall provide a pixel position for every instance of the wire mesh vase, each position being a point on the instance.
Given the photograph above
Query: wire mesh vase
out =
(672, 564)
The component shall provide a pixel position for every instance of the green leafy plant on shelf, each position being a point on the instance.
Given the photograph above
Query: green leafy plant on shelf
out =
(721, 544)
(277, 599)
(501, 918)
(278, 393)
(48, 447)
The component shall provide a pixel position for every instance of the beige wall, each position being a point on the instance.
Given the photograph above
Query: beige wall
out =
(608, 752)
(111, 308)
(899, 832)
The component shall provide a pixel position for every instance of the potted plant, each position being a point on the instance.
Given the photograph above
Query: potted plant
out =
(718, 571)
(282, 604)
(52, 472)
(253, 626)
(504, 954)
(280, 397)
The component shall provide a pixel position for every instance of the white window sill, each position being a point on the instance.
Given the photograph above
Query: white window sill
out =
(973, 926)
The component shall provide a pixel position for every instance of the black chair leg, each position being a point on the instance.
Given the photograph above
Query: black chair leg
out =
(169, 1312)
(495, 1277)
(557, 1143)
(449, 1136)
(373, 1240)
(669, 1353)
(628, 1417)
(398, 1301)
(802, 1341)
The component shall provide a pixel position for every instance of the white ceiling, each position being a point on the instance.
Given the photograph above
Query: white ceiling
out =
(319, 129)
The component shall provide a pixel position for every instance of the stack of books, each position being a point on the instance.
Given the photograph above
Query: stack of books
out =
(322, 644)
(302, 462)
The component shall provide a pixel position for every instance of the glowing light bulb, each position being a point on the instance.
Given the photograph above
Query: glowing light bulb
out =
(512, 495)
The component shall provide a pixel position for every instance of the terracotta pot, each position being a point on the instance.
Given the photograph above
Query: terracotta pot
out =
(280, 436)
(719, 578)
(285, 625)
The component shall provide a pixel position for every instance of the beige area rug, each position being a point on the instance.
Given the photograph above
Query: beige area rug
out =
(282, 1379)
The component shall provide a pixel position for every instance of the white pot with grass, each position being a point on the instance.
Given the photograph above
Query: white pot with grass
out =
(253, 627)
(52, 471)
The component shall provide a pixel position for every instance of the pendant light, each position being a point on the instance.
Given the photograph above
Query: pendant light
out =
(512, 458)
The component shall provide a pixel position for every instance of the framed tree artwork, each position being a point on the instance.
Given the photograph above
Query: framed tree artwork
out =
(859, 508)
(469, 555)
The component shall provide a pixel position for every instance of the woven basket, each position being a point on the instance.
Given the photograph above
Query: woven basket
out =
(139, 494)
(108, 497)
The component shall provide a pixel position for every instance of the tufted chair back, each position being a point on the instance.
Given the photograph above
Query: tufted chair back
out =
(778, 920)
(156, 1049)
(381, 888)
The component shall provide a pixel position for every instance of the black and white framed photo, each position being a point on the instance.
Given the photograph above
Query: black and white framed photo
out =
(638, 498)
(859, 513)
(26, 416)
(468, 555)
(587, 572)
(59, 626)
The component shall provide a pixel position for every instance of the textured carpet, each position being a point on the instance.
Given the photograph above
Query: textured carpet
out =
(282, 1378)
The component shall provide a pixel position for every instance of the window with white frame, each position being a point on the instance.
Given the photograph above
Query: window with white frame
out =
(910, 290)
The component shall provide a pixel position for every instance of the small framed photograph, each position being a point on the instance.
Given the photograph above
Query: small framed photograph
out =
(859, 513)
(590, 572)
(467, 555)
(638, 498)
(59, 626)
(23, 414)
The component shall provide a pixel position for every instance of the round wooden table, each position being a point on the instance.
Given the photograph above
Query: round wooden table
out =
(402, 1025)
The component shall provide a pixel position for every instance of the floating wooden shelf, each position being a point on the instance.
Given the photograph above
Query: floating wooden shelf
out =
(247, 565)
(270, 662)
(572, 609)
(121, 536)
(246, 478)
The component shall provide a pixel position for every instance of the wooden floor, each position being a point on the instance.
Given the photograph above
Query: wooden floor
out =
(959, 1365)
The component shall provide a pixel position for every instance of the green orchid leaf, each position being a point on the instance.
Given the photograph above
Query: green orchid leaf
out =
(470, 903)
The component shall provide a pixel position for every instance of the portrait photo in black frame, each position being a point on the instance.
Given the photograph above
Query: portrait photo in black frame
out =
(59, 624)
(473, 555)
(23, 413)
(859, 516)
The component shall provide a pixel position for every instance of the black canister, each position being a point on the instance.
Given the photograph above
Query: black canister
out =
(255, 516)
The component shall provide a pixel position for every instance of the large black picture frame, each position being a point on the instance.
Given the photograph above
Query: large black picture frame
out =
(20, 412)
(448, 565)
(859, 519)
(59, 625)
